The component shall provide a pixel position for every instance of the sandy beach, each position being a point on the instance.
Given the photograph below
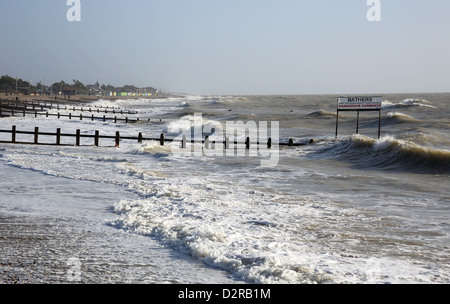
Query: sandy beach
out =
(46, 251)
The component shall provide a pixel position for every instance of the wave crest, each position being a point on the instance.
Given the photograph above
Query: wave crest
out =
(389, 153)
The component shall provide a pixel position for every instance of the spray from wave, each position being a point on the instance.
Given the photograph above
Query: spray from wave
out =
(407, 103)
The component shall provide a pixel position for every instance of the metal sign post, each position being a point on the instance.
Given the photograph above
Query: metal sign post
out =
(359, 104)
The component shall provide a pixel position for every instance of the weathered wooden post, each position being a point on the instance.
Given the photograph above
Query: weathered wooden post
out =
(269, 143)
(379, 123)
(117, 139)
(97, 133)
(161, 139)
(291, 142)
(36, 135)
(13, 134)
(247, 143)
(70, 115)
(58, 136)
(140, 137)
(78, 135)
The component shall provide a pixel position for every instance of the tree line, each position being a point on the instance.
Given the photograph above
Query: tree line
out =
(9, 84)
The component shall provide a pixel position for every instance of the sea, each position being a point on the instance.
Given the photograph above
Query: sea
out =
(353, 208)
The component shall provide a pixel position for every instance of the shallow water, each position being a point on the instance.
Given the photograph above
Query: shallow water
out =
(355, 209)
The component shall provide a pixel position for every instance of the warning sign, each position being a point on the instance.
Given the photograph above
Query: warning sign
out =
(359, 103)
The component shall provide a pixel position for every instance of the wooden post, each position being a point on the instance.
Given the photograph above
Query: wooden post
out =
(92, 117)
(291, 142)
(227, 143)
(12, 112)
(161, 140)
(140, 137)
(70, 115)
(104, 118)
(36, 135)
(357, 123)
(46, 114)
(183, 142)
(269, 143)
(117, 139)
(337, 123)
(13, 134)
(247, 143)
(379, 124)
(207, 142)
(58, 136)
(96, 138)
(23, 112)
(59, 115)
(35, 113)
(115, 119)
(81, 116)
(77, 143)
(126, 119)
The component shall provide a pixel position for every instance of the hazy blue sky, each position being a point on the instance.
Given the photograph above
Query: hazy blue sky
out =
(231, 46)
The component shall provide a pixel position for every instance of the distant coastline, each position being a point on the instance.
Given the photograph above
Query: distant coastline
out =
(77, 98)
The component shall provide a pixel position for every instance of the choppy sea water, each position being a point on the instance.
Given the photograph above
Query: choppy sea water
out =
(356, 209)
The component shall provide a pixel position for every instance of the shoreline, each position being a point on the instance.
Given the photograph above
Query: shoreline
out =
(46, 245)
(77, 98)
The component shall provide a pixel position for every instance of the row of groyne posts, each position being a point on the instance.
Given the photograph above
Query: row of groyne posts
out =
(36, 108)
(41, 108)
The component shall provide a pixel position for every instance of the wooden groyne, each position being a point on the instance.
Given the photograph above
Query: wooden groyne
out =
(78, 135)
(87, 113)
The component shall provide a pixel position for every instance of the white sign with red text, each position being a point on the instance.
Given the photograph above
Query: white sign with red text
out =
(359, 103)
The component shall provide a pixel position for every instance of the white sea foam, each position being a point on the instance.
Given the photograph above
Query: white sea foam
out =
(311, 219)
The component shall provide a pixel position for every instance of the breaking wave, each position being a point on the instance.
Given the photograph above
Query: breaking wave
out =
(390, 154)
(407, 103)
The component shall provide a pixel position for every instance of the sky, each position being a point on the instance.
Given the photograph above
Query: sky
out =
(231, 47)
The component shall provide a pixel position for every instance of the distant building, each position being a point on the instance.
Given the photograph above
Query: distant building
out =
(68, 91)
